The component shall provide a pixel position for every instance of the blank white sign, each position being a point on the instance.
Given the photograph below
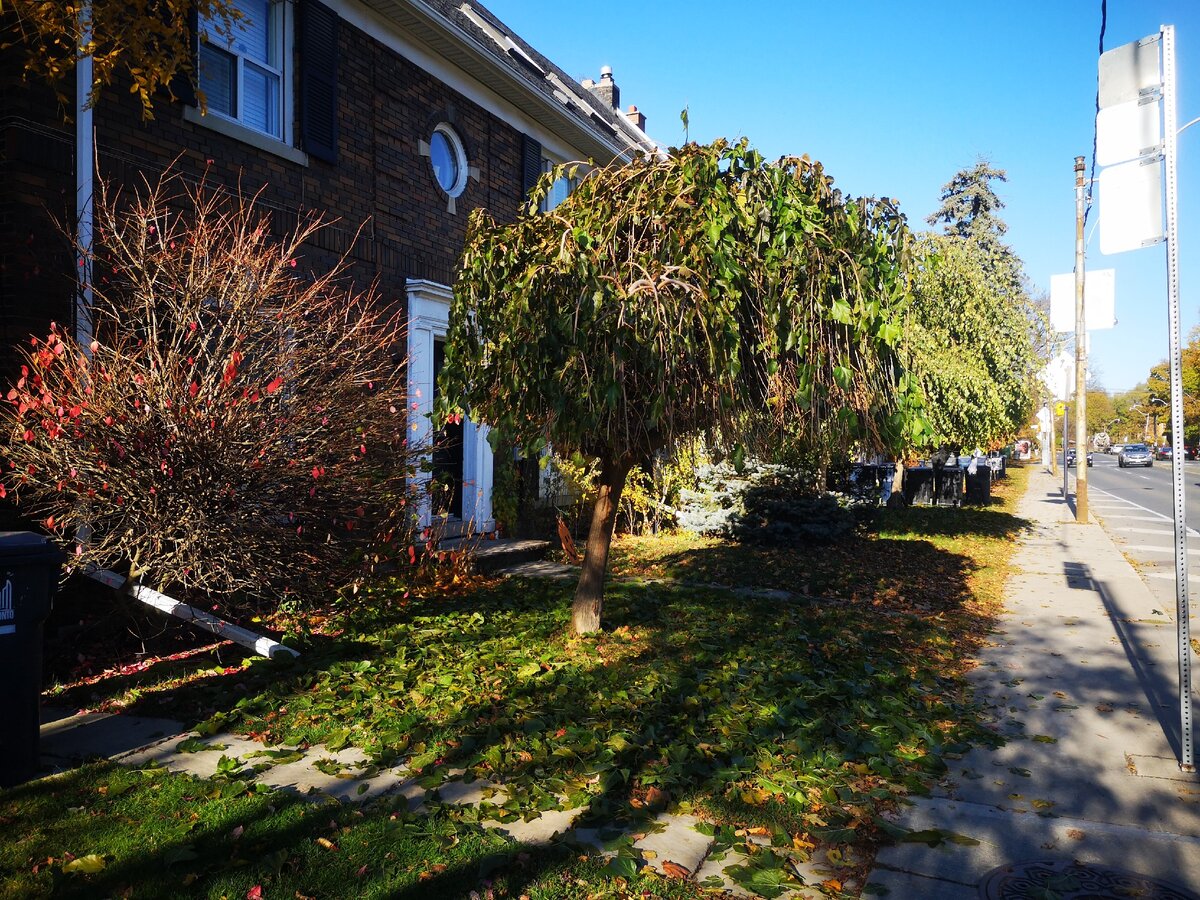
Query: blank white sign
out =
(1099, 300)
(1127, 70)
(1131, 206)
(1127, 131)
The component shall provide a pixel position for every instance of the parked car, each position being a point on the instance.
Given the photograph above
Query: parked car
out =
(1071, 457)
(1135, 455)
(1165, 452)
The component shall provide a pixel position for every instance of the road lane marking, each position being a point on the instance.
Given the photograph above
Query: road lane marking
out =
(1132, 530)
(1136, 547)
(1192, 532)
(1139, 519)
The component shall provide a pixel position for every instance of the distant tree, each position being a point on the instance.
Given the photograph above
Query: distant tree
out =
(1100, 410)
(148, 42)
(1158, 387)
(970, 346)
(969, 205)
(705, 291)
(969, 211)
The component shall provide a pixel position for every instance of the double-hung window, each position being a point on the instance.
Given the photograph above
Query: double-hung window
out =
(558, 191)
(242, 75)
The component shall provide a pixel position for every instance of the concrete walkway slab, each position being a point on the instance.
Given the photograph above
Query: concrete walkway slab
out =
(1080, 676)
(74, 738)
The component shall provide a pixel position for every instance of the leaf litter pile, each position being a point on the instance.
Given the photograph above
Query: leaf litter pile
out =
(799, 720)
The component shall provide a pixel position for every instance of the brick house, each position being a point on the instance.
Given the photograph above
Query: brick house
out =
(394, 116)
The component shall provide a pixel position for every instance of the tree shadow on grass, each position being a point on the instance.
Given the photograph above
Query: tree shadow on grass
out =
(794, 714)
(961, 521)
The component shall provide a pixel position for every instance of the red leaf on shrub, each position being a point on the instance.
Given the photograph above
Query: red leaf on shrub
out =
(193, 389)
(75, 411)
(349, 524)
(3, 492)
(412, 554)
(28, 435)
(362, 448)
(275, 385)
(50, 522)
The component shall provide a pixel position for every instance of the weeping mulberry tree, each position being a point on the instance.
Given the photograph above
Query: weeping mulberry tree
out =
(707, 290)
(239, 420)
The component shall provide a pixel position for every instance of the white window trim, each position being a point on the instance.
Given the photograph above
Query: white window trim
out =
(283, 34)
(429, 320)
(466, 171)
(547, 165)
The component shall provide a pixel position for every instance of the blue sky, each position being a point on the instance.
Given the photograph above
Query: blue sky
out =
(894, 98)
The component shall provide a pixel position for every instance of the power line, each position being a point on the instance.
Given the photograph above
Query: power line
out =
(1092, 178)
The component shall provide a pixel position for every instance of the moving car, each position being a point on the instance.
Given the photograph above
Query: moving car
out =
(1116, 448)
(1071, 457)
(1165, 452)
(1135, 455)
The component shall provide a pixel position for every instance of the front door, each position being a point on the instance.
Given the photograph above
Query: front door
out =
(447, 451)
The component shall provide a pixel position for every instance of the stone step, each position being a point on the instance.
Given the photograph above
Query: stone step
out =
(491, 555)
(678, 843)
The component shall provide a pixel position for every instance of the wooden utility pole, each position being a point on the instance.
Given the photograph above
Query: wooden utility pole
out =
(1081, 494)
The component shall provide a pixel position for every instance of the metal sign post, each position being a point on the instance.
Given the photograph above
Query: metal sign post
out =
(1136, 94)
(1081, 493)
(1182, 608)
(1066, 418)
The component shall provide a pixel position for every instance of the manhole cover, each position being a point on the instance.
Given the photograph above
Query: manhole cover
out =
(1057, 879)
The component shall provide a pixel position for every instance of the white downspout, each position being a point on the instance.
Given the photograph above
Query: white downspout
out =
(85, 168)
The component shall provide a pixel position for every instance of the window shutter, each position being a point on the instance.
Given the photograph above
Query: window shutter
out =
(531, 164)
(318, 40)
(182, 87)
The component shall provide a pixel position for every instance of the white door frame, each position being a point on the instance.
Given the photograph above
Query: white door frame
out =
(428, 320)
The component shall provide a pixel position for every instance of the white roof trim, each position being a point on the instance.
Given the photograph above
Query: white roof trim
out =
(388, 33)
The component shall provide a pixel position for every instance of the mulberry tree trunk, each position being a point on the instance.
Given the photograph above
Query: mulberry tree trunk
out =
(589, 595)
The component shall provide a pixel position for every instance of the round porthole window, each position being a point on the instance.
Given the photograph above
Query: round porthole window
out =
(448, 159)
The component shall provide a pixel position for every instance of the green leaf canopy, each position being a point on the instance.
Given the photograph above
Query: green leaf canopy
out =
(703, 290)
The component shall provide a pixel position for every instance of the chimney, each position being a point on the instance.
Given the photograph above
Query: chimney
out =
(634, 115)
(607, 89)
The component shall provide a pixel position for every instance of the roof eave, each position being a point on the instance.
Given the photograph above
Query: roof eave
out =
(463, 50)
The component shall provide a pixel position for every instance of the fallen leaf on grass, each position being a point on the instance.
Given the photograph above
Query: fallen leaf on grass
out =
(326, 843)
(86, 865)
(255, 893)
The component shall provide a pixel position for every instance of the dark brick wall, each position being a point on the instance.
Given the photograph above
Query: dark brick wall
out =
(380, 189)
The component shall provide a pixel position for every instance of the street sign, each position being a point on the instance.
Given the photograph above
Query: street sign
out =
(1099, 298)
(1131, 206)
(1128, 131)
(1060, 408)
(1128, 70)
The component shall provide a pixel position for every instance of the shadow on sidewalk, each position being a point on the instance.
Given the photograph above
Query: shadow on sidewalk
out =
(1160, 690)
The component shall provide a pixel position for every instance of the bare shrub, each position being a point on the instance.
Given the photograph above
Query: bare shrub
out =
(238, 423)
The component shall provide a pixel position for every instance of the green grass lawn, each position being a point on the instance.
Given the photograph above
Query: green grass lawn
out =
(803, 719)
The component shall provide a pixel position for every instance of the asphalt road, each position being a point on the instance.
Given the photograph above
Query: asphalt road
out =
(1135, 507)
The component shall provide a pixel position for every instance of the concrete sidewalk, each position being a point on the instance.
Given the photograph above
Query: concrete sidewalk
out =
(1082, 679)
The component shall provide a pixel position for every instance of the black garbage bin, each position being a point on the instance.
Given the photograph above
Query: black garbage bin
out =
(979, 484)
(918, 486)
(29, 566)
